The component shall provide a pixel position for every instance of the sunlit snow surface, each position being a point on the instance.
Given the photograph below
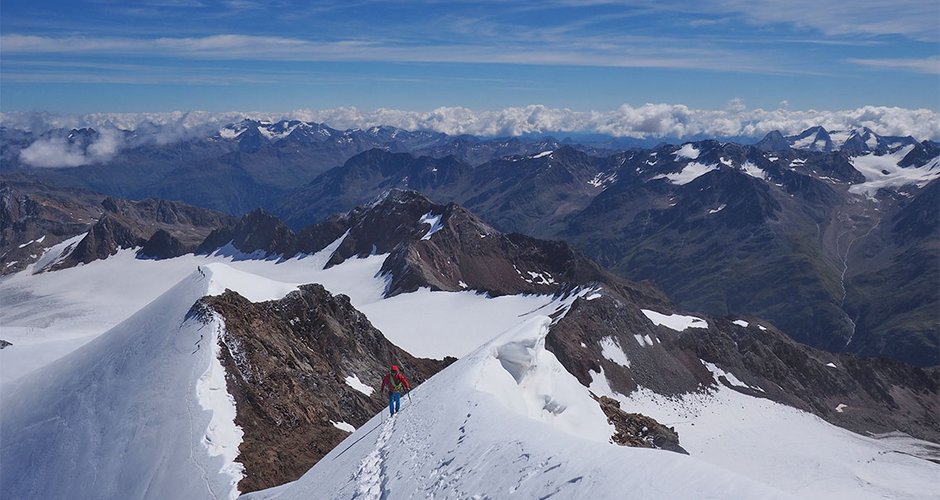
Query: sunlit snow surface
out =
(884, 172)
(139, 411)
(48, 315)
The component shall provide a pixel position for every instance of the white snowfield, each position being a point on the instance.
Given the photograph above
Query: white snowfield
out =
(109, 391)
(884, 172)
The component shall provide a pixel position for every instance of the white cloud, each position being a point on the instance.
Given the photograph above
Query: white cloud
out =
(58, 151)
(583, 51)
(928, 65)
(53, 152)
(658, 121)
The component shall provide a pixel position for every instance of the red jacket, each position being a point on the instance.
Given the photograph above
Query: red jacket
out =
(399, 381)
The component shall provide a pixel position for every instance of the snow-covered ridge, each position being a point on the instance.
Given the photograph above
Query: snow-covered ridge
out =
(158, 375)
(223, 436)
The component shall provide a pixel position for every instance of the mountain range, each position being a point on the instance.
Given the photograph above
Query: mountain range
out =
(835, 232)
(227, 369)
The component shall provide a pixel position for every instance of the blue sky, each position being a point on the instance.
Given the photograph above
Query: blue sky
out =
(162, 55)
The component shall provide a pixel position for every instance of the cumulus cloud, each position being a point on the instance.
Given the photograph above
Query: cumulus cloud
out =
(59, 151)
(117, 131)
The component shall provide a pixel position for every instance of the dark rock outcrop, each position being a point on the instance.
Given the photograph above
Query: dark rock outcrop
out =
(162, 245)
(257, 231)
(773, 142)
(131, 224)
(35, 216)
(639, 431)
(105, 238)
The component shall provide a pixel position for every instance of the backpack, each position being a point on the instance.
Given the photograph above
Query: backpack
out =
(395, 382)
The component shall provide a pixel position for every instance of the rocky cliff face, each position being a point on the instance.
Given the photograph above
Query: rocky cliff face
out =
(163, 229)
(257, 231)
(289, 366)
(34, 217)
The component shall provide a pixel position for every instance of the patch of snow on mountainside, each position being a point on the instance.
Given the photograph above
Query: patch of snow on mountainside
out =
(432, 220)
(272, 135)
(839, 137)
(507, 421)
(753, 170)
(230, 132)
(688, 151)
(542, 154)
(343, 426)
(735, 381)
(30, 242)
(600, 180)
(643, 340)
(884, 172)
(611, 350)
(354, 382)
(719, 209)
(675, 322)
(689, 173)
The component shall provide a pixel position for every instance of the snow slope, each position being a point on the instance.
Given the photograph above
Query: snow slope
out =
(139, 410)
(786, 448)
(48, 315)
(131, 414)
(507, 420)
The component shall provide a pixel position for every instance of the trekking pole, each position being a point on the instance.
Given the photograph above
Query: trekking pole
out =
(409, 396)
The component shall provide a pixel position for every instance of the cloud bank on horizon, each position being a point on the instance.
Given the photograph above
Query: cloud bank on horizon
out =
(649, 121)
(667, 121)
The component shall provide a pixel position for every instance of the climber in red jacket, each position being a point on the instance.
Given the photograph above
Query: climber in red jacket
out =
(395, 382)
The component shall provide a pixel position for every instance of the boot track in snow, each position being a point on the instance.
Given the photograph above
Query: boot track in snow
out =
(371, 475)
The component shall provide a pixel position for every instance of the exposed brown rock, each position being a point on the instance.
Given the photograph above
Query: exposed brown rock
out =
(286, 364)
(639, 431)
(175, 228)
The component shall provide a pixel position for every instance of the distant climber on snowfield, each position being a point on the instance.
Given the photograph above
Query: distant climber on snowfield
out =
(395, 382)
